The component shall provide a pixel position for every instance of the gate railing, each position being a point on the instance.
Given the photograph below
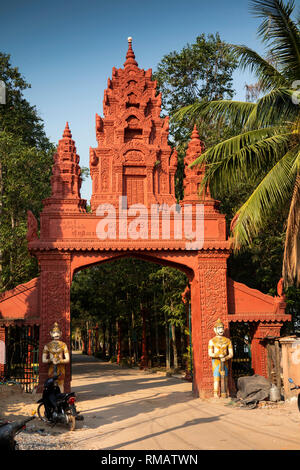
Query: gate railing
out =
(240, 335)
(22, 355)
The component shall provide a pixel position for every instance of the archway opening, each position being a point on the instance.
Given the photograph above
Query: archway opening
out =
(130, 311)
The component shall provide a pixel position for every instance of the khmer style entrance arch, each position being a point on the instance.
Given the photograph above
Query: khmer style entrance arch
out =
(134, 213)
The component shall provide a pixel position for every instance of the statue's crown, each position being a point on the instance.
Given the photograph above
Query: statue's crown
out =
(219, 323)
(55, 328)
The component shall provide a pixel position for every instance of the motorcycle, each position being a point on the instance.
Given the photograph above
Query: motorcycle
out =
(8, 431)
(296, 387)
(56, 407)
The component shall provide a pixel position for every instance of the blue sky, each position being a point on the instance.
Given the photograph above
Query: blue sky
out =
(66, 50)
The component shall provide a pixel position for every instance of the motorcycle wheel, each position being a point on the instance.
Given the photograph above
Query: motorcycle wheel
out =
(71, 422)
(42, 412)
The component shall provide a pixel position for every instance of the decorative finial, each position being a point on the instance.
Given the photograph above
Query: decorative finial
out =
(130, 57)
(195, 134)
(67, 132)
(196, 144)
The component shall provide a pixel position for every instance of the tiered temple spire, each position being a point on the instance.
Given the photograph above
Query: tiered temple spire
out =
(193, 191)
(133, 156)
(65, 179)
(194, 175)
(67, 133)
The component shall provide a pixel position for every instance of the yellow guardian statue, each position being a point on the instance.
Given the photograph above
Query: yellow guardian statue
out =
(57, 355)
(220, 350)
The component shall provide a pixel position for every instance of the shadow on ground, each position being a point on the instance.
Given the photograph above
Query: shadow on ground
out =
(145, 395)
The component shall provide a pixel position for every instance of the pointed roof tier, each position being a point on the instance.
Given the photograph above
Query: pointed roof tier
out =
(130, 57)
(195, 148)
(194, 175)
(65, 179)
(67, 133)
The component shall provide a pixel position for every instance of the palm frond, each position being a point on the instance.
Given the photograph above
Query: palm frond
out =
(280, 32)
(274, 189)
(246, 164)
(269, 77)
(234, 112)
(273, 108)
(234, 145)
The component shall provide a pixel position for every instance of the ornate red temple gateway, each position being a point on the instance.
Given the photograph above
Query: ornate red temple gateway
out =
(134, 213)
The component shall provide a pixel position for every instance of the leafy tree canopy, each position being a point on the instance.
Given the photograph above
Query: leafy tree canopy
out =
(25, 168)
(266, 150)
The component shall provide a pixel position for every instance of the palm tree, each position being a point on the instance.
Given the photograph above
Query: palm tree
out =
(267, 146)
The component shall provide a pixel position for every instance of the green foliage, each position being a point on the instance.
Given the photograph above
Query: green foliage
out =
(115, 290)
(20, 166)
(200, 71)
(25, 166)
(119, 291)
(258, 265)
(171, 283)
(17, 116)
(266, 150)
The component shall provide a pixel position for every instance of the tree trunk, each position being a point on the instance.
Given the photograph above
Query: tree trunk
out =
(110, 340)
(175, 355)
(144, 358)
(156, 335)
(104, 340)
(129, 343)
(96, 339)
(168, 351)
(12, 253)
(118, 345)
(134, 339)
(182, 347)
(291, 257)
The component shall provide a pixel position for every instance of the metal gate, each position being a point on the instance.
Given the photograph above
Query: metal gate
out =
(240, 335)
(22, 355)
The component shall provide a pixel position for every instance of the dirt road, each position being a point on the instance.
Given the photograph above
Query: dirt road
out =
(135, 410)
(132, 409)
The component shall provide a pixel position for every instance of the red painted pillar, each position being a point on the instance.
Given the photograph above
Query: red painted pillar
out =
(208, 303)
(90, 343)
(2, 351)
(55, 283)
(258, 345)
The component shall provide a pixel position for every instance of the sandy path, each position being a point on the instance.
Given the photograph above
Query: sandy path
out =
(132, 409)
